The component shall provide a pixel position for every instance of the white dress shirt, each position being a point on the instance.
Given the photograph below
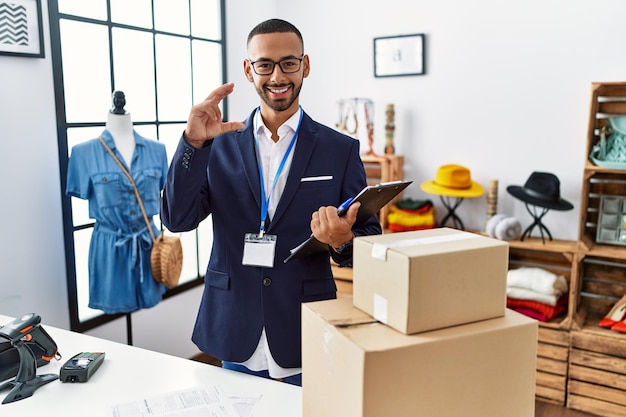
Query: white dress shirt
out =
(271, 154)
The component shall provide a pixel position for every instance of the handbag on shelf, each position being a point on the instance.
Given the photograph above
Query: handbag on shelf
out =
(166, 256)
(610, 151)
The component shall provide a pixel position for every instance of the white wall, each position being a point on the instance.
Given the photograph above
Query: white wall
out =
(32, 278)
(507, 89)
(507, 93)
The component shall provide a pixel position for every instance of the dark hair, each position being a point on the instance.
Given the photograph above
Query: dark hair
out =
(275, 26)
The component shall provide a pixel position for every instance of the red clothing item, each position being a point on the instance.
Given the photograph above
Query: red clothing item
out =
(543, 312)
(399, 228)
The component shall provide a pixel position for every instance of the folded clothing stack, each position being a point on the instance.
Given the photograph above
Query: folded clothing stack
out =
(536, 293)
(407, 215)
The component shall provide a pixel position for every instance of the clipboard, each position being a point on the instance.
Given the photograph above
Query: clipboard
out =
(372, 199)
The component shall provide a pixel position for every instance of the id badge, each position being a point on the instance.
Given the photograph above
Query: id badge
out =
(259, 250)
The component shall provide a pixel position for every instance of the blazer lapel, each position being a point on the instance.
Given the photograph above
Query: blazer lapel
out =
(247, 150)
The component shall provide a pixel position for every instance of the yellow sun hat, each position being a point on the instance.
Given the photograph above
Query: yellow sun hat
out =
(453, 180)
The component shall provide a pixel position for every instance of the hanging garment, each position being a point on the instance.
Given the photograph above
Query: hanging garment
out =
(120, 277)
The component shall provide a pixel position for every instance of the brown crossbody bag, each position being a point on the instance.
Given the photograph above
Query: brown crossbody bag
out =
(166, 256)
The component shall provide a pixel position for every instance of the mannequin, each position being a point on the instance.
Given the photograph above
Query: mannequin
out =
(120, 126)
(120, 273)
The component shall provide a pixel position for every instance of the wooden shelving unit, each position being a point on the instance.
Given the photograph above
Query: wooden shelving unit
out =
(580, 364)
(558, 257)
(594, 378)
(597, 358)
(383, 168)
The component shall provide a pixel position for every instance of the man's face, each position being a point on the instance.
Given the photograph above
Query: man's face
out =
(278, 90)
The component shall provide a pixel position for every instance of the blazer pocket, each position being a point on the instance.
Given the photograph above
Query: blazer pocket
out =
(316, 182)
(317, 178)
(218, 280)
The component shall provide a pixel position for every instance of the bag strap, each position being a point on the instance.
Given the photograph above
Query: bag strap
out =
(143, 210)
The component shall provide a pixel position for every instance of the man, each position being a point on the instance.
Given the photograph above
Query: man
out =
(269, 184)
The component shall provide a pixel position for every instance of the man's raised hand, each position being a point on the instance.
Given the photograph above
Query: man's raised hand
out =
(205, 118)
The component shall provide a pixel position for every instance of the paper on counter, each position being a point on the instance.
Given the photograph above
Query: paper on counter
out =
(202, 401)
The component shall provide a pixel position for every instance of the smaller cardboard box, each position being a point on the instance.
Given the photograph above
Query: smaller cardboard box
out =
(354, 366)
(430, 279)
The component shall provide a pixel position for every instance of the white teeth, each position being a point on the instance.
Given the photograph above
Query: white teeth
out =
(278, 91)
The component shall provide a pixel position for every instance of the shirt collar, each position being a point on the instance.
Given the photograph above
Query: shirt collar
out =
(108, 138)
(291, 124)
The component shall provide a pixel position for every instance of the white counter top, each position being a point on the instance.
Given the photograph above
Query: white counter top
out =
(129, 374)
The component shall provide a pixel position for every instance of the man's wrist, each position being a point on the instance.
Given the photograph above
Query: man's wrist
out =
(344, 247)
(196, 143)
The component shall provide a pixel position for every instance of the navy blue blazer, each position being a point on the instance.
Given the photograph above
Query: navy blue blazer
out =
(222, 179)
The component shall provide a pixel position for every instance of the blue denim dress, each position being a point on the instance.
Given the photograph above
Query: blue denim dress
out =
(120, 276)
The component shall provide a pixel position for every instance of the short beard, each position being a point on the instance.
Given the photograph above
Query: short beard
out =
(279, 105)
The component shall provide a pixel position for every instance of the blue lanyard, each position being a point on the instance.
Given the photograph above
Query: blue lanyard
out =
(265, 199)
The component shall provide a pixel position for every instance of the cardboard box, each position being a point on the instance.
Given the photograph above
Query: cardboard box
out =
(482, 369)
(430, 279)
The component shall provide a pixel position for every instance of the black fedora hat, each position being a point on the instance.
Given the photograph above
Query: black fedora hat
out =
(541, 189)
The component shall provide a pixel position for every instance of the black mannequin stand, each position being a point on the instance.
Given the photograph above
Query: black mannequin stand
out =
(451, 205)
(26, 382)
(537, 216)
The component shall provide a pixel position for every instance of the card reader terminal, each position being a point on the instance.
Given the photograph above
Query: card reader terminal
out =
(81, 367)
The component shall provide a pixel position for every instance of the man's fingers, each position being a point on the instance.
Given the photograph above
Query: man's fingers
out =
(352, 212)
(210, 105)
(327, 216)
(231, 126)
(221, 92)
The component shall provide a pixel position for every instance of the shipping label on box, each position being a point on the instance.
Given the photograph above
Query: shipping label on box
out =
(353, 366)
(430, 279)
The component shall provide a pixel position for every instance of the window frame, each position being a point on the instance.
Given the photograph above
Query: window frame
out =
(62, 136)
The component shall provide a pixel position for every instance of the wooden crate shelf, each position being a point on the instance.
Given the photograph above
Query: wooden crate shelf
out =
(596, 185)
(602, 281)
(384, 168)
(597, 362)
(552, 365)
(597, 358)
(607, 99)
(597, 370)
(558, 257)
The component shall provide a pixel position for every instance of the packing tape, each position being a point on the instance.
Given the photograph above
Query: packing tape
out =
(381, 308)
(379, 250)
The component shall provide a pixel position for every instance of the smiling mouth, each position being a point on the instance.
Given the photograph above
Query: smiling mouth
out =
(278, 90)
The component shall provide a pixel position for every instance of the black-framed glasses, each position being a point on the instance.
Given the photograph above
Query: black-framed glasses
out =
(266, 66)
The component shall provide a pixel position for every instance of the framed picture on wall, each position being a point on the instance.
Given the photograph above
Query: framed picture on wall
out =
(21, 28)
(399, 55)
